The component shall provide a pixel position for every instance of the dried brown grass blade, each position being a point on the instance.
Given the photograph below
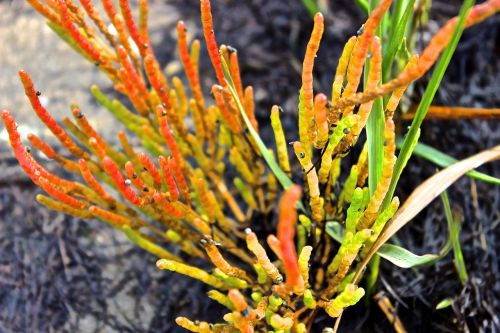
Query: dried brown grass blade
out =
(447, 112)
(424, 194)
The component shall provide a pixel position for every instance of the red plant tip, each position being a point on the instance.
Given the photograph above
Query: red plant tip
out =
(120, 182)
(320, 98)
(208, 32)
(151, 168)
(286, 234)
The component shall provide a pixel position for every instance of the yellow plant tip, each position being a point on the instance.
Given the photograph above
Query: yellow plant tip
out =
(338, 81)
(260, 253)
(191, 271)
(350, 296)
(280, 140)
(304, 257)
(281, 323)
(221, 299)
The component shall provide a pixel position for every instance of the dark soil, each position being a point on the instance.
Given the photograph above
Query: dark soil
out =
(58, 274)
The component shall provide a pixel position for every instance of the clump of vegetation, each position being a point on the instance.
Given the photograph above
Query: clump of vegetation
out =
(277, 263)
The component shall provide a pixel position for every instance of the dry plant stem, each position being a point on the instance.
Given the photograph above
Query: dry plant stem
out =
(449, 113)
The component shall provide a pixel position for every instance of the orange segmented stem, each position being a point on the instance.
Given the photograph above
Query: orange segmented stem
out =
(250, 106)
(50, 153)
(84, 43)
(62, 207)
(94, 15)
(237, 299)
(374, 77)
(56, 193)
(45, 11)
(234, 68)
(169, 137)
(189, 67)
(320, 113)
(275, 245)
(131, 72)
(47, 119)
(151, 168)
(307, 73)
(286, 233)
(456, 112)
(198, 120)
(173, 190)
(169, 208)
(139, 184)
(179, 177)
(262, 258)
(396, 95)
(231, 120)
(25, 160)
(128, 88)
(219, 261)
(127, 148)
(360, 50)
(109, 217)
(142, 44)
(143, 19)
(97, 148)
(208, 32)
(156, 79)
(120, 181)
(92, 182)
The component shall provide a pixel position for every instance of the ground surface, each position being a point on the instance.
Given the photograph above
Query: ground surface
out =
(58, 274)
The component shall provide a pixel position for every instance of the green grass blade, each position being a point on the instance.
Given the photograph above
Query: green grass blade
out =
(375, 138)
(375, 127)
(454, 229)
(443, 160)
(363, 5)
(410, 139)
(444, 303)
(271, 162)
(401, 257)
(311, 6)
(396, 36)
(397, 255)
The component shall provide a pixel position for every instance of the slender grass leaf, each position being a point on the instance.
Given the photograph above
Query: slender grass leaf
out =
(410, 139)
(454, 226)
(363, 5)
(403, 258)
(375, 138)
(444, 303)
(439, 158)
(423, 195)
(311, 6)
(397, 255)
(398, 29)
